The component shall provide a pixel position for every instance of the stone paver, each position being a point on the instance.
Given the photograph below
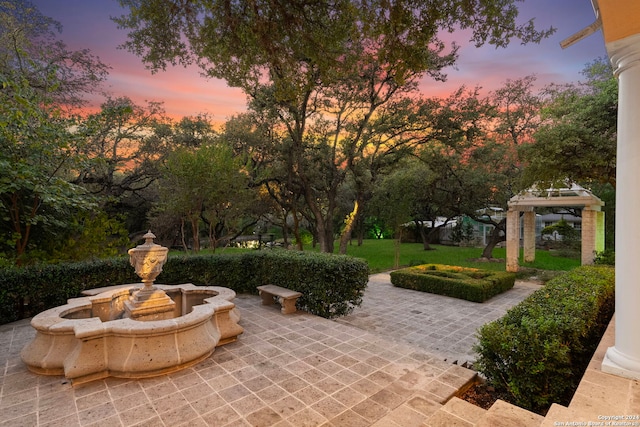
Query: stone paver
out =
(443, 326)
(375, 367)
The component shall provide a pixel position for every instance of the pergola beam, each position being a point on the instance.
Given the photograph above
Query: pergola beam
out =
(550, 202)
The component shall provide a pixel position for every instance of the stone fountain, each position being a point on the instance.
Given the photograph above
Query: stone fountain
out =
(133, 331)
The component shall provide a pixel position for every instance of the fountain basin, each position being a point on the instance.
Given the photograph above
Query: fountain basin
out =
(88, 338)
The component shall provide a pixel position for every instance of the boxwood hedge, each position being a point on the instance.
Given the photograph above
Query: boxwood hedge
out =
(538, 351)
(331, 285)
(471, 284)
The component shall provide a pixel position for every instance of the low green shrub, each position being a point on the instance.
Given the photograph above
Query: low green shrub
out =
(606, 257)
(471, 284)
(539, 350)
(332, 285)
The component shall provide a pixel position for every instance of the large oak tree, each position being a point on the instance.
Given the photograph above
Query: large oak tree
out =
(323, 68)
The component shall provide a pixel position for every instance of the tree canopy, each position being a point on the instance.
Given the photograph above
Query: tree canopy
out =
(31, 51)
(323, 70)
(204, 184)
(35, 159)
(577, 139)
(40, 80)
(336, 129)
(247, 42)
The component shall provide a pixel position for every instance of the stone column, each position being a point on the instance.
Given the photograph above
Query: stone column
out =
(600, 227)
(624, 358)
(589, 234)
(513, 239)
(529, 238)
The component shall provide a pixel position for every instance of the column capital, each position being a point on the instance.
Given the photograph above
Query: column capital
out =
(520, 208)
(624, 53)
(596, 208)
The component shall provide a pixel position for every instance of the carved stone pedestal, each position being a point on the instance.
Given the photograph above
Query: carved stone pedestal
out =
(150, 304)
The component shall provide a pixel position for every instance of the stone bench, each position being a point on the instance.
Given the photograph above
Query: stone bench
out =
(286, 297)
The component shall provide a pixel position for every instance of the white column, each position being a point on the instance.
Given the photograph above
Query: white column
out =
(513, 239)
(624, 358)
(529, 237)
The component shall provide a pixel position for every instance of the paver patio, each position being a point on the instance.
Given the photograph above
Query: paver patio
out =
(440, 325)
(383, 365)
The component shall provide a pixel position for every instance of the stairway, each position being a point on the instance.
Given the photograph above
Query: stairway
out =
(599, 395)
(459, 413)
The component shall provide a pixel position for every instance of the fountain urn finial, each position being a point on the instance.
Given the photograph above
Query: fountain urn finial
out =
(149, 303)
(148, 259)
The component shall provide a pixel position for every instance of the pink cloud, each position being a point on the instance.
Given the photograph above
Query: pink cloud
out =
(182, 91)
(87, 24)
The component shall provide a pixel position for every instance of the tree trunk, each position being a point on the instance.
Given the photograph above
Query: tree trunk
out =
(296, 230)
(396, 252)
(323, 219)
(21, 242)
(196, 235)
(349, 225)
(360, 229)
(285, 229)
(184, 241)
(320, 235)
(329, 244)
(424, 235)
(497, 235)
(213, 241)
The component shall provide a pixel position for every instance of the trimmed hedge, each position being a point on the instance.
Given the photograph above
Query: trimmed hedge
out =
(471, 284)
(538, 351)
(27, 291)
(331, 285)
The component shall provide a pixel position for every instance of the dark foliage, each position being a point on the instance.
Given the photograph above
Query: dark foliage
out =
(331, 285)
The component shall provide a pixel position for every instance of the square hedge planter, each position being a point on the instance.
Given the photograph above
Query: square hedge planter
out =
(471, 284)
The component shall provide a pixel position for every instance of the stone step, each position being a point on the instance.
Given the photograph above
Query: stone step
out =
(559, 415)
(504, 414)
(456, 413)
(414, 412)
(426, 390)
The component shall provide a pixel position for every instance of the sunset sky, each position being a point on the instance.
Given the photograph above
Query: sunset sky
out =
(87, 25)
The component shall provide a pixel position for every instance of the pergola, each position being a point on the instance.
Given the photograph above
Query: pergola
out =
(570, 197)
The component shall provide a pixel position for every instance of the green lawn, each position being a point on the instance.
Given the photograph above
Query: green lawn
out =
(380, 253)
